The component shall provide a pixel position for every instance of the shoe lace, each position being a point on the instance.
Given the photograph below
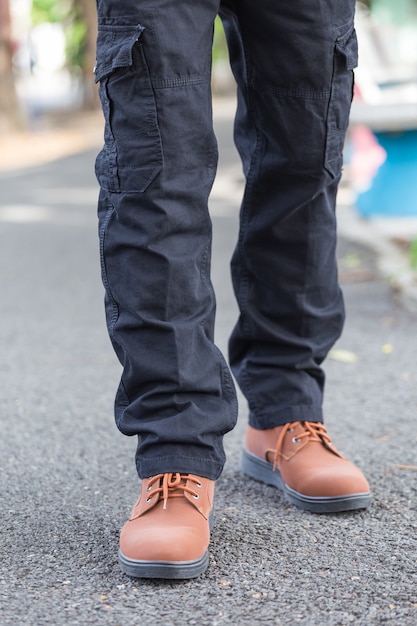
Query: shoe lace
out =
(313, 431)
(173, 485)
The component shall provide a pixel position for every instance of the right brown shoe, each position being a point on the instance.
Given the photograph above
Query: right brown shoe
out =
(168, 533)
(300, 459)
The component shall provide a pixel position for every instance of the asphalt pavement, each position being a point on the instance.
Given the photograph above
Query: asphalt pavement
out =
(67, 475)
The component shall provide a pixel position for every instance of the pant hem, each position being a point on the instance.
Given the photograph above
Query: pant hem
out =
(271, 418)
(162, 465)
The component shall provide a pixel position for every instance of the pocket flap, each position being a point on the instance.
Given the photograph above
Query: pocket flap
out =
(114, 48)
(348, 47)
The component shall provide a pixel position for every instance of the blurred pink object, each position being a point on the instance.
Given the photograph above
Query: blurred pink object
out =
(367, 156)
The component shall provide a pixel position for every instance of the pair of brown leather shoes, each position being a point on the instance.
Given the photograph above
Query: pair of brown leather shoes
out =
(168, 533)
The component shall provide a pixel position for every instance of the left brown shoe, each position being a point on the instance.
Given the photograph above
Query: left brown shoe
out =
(168, 533)
(300, 460)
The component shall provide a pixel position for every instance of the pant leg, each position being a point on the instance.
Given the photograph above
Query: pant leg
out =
(293, 62)
(156, 171)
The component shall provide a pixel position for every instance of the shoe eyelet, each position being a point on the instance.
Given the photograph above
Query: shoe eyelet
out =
(199, 485)
(295, 440)
(196, 496)
(291, 430)
(149, 488)
(149, 499)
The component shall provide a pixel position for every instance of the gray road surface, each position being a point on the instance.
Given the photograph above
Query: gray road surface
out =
(67, 475)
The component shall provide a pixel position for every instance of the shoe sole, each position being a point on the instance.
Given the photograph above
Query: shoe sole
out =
(261, 470)
(178, 570)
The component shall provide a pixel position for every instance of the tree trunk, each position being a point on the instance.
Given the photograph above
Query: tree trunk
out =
(10, 115)
(88, 10)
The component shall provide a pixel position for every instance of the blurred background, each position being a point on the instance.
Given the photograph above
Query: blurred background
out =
(47, 55)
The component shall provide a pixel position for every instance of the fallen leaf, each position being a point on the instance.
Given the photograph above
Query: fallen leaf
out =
(383, 438)
(343, 356)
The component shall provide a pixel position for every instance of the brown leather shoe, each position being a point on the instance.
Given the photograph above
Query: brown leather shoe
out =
(300, 459)
(168, 533)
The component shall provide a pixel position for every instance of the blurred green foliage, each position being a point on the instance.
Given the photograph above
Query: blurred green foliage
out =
(67, 13)
(48, 11)
(413, 254)
(219, 42)
(399, 12)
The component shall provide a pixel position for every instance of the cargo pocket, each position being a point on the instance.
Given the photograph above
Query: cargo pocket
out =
(132, 154)
(345, 60)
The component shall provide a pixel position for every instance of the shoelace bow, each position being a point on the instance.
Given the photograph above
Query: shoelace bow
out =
(173, 485)
(312, 430)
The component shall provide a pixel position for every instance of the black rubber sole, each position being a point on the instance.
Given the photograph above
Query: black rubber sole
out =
(261, 470)
(174, 570)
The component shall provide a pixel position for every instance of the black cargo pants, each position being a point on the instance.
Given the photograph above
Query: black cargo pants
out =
(293, 62)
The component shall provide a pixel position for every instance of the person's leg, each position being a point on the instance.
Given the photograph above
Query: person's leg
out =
(293, 62)
(156, 171)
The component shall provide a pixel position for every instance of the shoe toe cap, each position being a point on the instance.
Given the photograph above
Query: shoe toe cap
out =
(342, 479)
(152, 543)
